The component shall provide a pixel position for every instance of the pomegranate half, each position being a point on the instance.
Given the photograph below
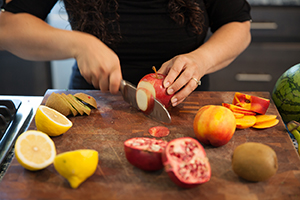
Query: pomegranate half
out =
(186, 163)
(145, 153)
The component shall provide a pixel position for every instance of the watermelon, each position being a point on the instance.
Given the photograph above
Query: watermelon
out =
(286, 94)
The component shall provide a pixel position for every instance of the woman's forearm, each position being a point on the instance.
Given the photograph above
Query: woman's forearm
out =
(31, 38)
(224, 46)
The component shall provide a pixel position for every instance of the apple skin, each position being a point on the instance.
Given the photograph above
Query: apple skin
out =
(214, 125)
(154, 83)
(253, 103)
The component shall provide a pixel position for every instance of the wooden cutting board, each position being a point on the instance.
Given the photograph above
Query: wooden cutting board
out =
(115, 121)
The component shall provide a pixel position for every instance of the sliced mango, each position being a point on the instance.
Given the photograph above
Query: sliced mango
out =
(245, 122)
(266, 124)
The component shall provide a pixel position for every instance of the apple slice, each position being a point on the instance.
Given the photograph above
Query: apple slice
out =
(144, 100)
(250, 102)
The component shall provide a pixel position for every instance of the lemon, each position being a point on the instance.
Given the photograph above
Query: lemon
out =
(76, 166)
(51, 121)
(34, 150)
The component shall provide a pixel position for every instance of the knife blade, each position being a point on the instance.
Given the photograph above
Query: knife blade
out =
(159, 111)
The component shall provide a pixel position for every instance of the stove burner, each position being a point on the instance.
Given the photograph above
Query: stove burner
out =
(15, 117)
(8, 109)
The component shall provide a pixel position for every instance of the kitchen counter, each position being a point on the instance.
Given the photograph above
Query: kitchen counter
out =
(115, 121)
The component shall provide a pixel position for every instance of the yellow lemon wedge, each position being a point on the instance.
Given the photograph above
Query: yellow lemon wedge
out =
(76, 166)
(51, 121)
(34, 150)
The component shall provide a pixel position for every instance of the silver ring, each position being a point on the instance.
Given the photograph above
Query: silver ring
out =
(198, 82)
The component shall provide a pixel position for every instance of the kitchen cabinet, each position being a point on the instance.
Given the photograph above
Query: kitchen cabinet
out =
(23, 77)
(275, 47)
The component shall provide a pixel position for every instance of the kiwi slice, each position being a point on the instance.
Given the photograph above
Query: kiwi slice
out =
(56, 102)
(86, 99)
(254, 161)
(73, 110)
(79, 105)
(71, 101)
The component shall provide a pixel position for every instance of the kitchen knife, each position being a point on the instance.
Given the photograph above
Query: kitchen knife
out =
(159, 111)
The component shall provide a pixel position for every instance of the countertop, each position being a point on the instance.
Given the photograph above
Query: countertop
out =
(115, 121)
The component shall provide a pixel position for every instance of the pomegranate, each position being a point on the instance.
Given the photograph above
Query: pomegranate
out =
(159, 131)
(145, 153)
(186, 163)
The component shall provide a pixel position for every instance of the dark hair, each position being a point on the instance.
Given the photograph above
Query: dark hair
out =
(98, 16)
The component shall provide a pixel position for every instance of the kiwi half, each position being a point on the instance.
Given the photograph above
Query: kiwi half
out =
(254, 161)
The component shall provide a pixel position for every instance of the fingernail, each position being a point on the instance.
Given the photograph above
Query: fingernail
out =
(167, 84)
(174, 101)
(170, 91)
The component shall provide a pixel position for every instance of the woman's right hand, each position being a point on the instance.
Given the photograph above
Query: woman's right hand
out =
(98, 64)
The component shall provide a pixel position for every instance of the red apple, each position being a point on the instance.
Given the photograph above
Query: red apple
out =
(214, 125)
(144, 100)
(152, 82)
(250, 102)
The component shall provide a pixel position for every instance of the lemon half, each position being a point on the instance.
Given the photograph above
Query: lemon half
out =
(76, 166)
(51, 121)
(34, 150)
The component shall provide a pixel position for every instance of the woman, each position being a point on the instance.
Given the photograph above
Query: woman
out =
(114, 39)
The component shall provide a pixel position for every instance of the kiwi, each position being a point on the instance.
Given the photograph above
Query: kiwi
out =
(79, 105)
(86, 99)
(73, 110)
(56, 102)
(254, 161)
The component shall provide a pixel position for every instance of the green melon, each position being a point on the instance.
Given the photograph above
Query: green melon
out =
(286, 94)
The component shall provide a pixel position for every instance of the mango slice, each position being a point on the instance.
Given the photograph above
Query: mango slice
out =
(245, 122)
(266, 124)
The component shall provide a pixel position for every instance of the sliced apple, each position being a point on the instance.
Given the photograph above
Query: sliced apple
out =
(144, 100)
(250, 102)
(154, 83)
(245, 122)
(238, 109)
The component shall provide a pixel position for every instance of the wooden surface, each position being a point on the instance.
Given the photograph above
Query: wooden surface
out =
(115, 121)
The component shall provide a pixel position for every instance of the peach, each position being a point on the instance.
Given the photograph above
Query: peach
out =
(214, 125)
(250, 102)
(238, 109)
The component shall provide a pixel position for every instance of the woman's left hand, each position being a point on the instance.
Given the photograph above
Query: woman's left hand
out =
(182, 73)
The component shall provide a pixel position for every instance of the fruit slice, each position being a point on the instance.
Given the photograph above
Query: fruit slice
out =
(145, 153)
(267, 124)
(76, 166)
(73, 110)
(264, 118)
(56, 102)
(73, 103)
(250, 102)
(80, 105)
(51, 121)
(144, 100)
(86, 99)
(34, 150)
(238, 109)
(159, 131)
(238, 115)
(245, 122)
(186, 163)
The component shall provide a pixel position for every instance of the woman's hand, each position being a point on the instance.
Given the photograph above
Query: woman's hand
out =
(99, 65)
(183, 71)
(218, 52)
